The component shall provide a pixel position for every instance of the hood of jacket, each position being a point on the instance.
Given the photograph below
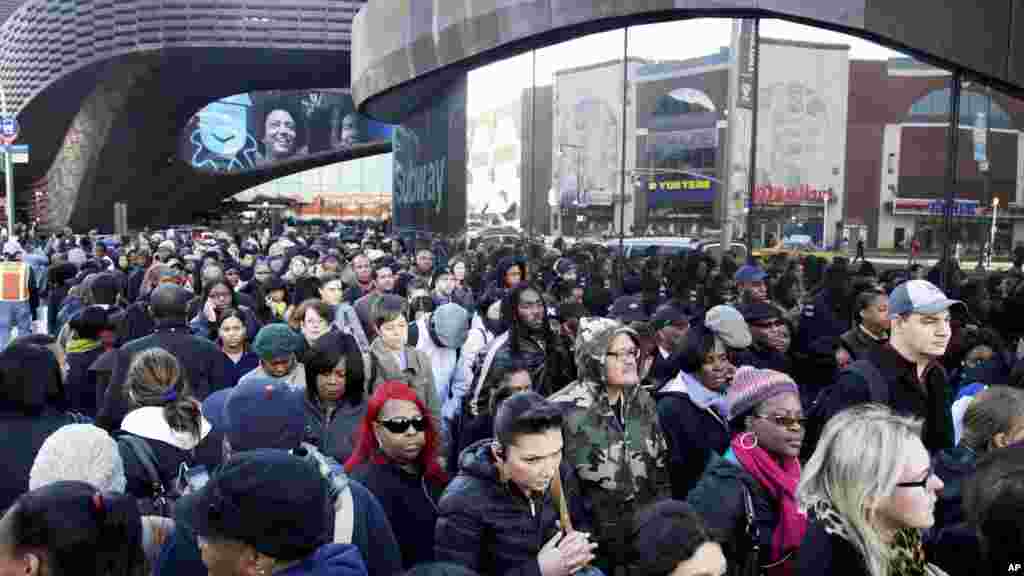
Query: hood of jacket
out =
(449, 325)
(149, 422)
(721, 468)
(593, 339)
(503, 265)
(476, 460)
(330, 560)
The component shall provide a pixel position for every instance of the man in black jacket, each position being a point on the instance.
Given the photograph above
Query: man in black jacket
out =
(915, 382)
(203, 362)
(670, 325)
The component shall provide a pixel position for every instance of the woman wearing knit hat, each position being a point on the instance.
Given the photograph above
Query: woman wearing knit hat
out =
(767, 423)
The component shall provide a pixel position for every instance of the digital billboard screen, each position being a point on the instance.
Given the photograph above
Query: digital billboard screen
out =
(261, 129)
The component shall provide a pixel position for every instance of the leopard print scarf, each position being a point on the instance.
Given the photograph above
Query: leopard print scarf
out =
(907, 550)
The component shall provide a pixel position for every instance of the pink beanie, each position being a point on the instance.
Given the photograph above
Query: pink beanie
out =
(751, 386)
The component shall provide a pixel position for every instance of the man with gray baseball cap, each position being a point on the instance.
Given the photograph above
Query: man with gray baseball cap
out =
(905, 374)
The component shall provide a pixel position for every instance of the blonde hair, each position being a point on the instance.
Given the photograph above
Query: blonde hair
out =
(993, 410)
(857, 463)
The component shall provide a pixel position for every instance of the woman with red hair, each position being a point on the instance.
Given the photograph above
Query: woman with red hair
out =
(396, 458)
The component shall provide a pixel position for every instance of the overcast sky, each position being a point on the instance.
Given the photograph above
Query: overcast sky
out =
(502, 82)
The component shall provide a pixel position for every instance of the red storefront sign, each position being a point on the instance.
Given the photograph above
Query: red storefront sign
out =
(780, 195)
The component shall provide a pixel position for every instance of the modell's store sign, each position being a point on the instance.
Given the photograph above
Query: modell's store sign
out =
(934, 207)
(804, 194)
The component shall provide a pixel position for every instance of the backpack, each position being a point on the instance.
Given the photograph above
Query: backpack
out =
(161, 503)
(878, 393)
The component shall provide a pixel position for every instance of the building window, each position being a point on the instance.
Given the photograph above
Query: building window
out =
(934, 107)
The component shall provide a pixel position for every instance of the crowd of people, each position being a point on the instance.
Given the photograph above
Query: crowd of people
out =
(291, 403)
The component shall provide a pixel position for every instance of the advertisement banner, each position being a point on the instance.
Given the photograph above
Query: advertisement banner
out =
(747, 63)
(767, 194)
(429, 192)
(935, 207)
(262, 129)
(672, 189)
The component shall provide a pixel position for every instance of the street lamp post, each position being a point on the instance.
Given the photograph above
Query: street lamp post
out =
(8, 170)
(578, 150)
(992, 232)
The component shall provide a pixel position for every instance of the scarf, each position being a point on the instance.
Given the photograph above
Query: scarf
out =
(781, 483)
(907, 552)
(80, 345)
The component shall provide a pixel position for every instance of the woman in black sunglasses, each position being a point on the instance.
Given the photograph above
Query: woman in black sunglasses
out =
(396, 457)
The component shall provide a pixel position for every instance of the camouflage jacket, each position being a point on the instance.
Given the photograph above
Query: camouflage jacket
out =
(620, 468)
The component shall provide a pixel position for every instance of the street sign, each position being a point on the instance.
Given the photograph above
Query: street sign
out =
(980, 138)
(9, 129)
(18, 152)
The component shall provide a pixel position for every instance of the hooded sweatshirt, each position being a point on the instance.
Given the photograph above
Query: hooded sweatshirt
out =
(329, 560)
(441, 337)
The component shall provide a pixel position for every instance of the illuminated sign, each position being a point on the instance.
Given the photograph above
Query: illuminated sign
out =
(767, 194)
(262, 129)
(935, 207)
(672, 189)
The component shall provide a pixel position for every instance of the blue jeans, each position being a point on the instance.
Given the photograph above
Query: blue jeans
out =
(14, 314)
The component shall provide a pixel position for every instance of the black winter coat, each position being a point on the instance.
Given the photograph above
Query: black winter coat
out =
(31, 408)
(25, 434)
(410, 502)
(489, 526)
(81, 383)
(719, 500)
(954, 466)
(693, 435)
(824, 553)
(204, 364)
(169, 457)
(929, 400)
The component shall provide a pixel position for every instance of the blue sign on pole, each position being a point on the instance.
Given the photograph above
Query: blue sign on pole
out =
(9, 129)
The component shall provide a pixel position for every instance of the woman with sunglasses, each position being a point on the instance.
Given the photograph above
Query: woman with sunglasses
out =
(396, 458)
(868, 491)
(758, 474)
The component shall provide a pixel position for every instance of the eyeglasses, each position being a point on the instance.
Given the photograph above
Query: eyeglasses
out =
(624, 355)
(784, 421)
(922, 483)
(401, 425)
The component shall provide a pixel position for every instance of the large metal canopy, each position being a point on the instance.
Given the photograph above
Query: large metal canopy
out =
(403, 51)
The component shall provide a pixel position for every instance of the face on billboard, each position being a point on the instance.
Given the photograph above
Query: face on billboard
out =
(279, 134)
(259, 129)
(222, 127)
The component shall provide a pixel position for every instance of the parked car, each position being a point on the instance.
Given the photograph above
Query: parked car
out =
(672, 245)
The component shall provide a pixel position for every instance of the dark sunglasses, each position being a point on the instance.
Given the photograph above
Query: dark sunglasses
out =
(785, 421)
(923, 483)
(401, 425)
